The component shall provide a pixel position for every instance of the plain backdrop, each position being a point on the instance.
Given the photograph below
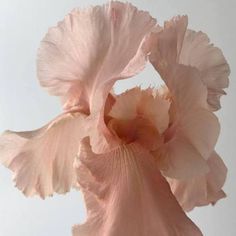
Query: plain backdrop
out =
(25, 106)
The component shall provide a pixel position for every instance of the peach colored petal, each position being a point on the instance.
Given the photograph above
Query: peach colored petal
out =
(166, 44)
(142, 103)
(126, 105)
(198, 52)
(193, 130)
(178, 158)
(125, 194)
(192, 118)
(202, 128)
(176, 44)
(83, 55)
(42, 160)
(140, 116)
(158, 111)
(201, 190)
(186, 89)
(138, 130)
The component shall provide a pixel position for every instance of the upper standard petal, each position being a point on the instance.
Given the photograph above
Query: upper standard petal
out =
(82, 56)
(177, 44)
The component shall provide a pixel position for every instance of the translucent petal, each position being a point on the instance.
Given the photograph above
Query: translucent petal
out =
(81, 58)
(176, 44)
(84, 55)
(202, 190)
(197, 51)
(193, 129)
(42, 160)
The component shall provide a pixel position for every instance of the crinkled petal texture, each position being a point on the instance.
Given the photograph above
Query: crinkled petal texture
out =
(176, 44)
(193, 130)
(198, 52)
(42, 160)
(126, 195)
(142, 119)
(117, 148)
(148, 104)
(195, 73)
(201, 190)
(85, 54)
(92, 47)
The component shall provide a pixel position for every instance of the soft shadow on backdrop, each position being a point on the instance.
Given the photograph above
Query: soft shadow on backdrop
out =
(25, 106)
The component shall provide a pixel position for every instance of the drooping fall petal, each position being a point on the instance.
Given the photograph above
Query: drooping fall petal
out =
(125, 194)
(42, 160)
(201, 190)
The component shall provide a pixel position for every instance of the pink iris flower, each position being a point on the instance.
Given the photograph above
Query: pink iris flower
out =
(141, 158)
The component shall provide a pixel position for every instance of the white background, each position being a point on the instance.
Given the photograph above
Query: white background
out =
(24, 106)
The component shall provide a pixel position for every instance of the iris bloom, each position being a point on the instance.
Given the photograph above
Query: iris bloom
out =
(141, 158)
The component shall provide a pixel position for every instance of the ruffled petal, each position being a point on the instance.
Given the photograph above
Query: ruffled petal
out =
(166, 44)
(184, 82)
(42, 160)
(176, 44)
(126, 105)
(126, 195)
(201, 190)
(179, 159)
(198, 52)
(187, 91)
(193, 130)
(142, 103)
(140, 116)
(84, 54)
(201, 127)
